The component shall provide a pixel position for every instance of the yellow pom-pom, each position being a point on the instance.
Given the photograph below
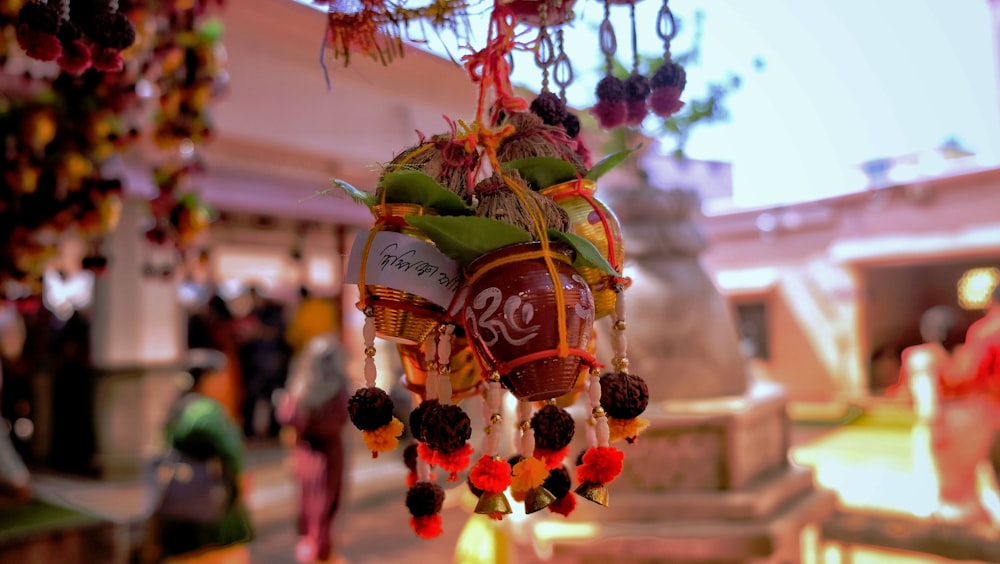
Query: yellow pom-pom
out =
(527, 474)
(385, 438)
(627, 429)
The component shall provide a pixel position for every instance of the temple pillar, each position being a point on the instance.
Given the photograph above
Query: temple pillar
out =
(710, 479)
(136, 346)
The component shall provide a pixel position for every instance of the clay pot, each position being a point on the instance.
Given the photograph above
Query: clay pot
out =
(465, 374)
(401, 317)
(595, 222)
(512, 315)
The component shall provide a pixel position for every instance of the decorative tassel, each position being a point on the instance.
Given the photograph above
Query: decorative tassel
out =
(37, 31)
(370, 408)
(425, 500)
(111, 33)
(667, 85)
(75, 57)
(610, 109)
(636, 91)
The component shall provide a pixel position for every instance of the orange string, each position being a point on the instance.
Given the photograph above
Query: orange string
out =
(528, 255)
(505, 367)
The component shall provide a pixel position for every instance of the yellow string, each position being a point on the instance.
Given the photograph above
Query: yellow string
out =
(528, 255)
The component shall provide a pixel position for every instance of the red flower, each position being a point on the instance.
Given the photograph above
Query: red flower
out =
(428, 526)
(38, 44)
(75, 57)
(453, 462)
(564, 505)
(106, 59)
(665, 101)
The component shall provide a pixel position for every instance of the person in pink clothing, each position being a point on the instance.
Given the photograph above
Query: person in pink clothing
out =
(315, 405)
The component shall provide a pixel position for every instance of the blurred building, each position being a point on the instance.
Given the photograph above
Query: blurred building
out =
(827, 293)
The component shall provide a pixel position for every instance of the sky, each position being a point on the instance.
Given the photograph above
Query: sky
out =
(844, 81)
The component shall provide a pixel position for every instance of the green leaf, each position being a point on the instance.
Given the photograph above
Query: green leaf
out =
(359, 196)
(609, 162)
(587, 254)
(542, 172)
(467, 238)
(415, 187)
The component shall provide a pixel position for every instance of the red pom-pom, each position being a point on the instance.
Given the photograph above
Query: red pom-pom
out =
(609, 113)
(411, 478)
(635, 111)
(75, 57)
(665, 101)
(551, 458)
(490, 474)
(428, 526)
(38, 45)
(564, 505)
(600, 465)
(106, 59)
(427, 454)
(454, 462)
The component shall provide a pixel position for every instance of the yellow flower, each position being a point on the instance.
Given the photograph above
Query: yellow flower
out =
(627, 429)
(527, 474)
(385, 438)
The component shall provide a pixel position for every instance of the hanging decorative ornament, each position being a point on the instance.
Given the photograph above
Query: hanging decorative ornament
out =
(111, 33)
(75, 53)
(636, 85)
(670, 78)
(624, 396)
(502, 212)
(37, 30)
(610, 109)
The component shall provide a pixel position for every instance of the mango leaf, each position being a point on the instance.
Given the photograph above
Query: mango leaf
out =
(467, 238)
(609, 162)
(587, 254)
(542, 172)
(415, 187)
(359, 196)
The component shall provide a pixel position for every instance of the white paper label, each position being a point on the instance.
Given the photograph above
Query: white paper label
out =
(405, 263)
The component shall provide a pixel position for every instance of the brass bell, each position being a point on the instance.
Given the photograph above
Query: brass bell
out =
(537, 499)
(493, 504)
(598, 493)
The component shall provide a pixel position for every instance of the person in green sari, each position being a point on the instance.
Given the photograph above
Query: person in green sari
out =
(199, 428)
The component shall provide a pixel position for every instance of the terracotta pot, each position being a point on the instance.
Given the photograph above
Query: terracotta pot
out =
(466, 372)
(400, 316)
(595, 222)
(512, 315)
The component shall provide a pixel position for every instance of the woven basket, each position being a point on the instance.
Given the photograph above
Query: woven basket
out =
(595, 222)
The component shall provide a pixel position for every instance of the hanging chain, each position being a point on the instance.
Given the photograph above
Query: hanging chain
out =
(635, 40)
(562, 71)
(666, 26)
(606, 35)
(544, 50)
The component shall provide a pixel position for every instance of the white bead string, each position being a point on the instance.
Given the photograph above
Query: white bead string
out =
(368, 332)
(444, 363)
(430, 367)
(619, 345)
(493, 416)
(527, 446)
(602, 433)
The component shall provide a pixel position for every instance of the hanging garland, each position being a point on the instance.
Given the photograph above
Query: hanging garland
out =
(492, 230)
(76, 83)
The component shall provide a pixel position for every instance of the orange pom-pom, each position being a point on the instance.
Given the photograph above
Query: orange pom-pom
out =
(627, 429)
(552, 458)
(528, 474)
(385, 438)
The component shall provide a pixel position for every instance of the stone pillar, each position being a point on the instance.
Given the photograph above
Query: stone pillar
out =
(136, 340)
(710, 479)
